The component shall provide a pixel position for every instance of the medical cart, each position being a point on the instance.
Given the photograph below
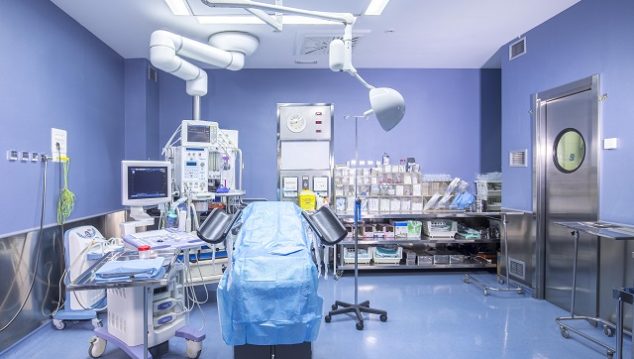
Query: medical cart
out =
(160, 299)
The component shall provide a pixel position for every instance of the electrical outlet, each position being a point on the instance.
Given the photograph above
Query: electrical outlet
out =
(35, 157)
(25, 156)
(58, 144)
(12, 155)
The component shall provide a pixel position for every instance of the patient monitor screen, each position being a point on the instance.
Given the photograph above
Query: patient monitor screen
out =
(199, 134)
(147, 182)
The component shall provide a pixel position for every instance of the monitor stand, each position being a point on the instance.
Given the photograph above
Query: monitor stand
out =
(141, 219)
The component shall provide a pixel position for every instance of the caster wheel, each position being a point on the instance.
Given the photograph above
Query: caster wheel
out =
(96, 323)
(334, 307)
(485, 292)
(383, 317)
(564, 332)
(327, 318)
(194, 349)
(59, 324)
(359, 325)
(609, 332)
(97, 347)
(610, 355)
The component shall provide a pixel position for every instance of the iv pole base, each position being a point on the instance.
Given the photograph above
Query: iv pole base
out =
(357, 309)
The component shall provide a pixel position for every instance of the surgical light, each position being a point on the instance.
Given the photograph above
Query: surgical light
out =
(178, 7)
(253, 20)
(388, 105)
(376, 7)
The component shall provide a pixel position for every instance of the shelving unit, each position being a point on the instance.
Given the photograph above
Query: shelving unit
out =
(491, 246)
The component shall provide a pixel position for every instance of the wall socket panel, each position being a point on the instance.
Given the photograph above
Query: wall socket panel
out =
(58, 137)
(23, 156)
(12, 155)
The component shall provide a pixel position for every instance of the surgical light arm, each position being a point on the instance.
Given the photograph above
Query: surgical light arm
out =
(387, 104)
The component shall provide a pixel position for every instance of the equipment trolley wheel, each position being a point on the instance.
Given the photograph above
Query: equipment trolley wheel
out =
(359, 325)
(564, 332)
(383, 317)
(608, 331)
(334, 307)
(194, 349)
(610, 354)
(485, 292)
(96, 323)
(327, 318)
(97, 347)
(59, 324)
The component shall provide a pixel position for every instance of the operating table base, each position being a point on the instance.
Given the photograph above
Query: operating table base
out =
(357, 309)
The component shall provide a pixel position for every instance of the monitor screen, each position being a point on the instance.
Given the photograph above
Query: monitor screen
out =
(199, 134)
(147, 182)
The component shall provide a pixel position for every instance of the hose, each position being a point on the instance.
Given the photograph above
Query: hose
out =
(37, 258)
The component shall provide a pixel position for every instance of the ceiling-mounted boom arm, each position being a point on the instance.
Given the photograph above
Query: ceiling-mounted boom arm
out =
(345, 18)
(168, 49)
(388, 105)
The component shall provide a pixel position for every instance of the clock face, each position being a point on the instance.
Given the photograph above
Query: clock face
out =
(296, 123)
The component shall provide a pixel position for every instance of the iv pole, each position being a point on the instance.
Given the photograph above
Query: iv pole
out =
(363, 307)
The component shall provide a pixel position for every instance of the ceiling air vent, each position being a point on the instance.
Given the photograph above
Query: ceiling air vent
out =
(518, 158)
(319, 45)
(517, 49)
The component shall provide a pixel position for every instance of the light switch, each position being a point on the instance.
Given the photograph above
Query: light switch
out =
(610, 143)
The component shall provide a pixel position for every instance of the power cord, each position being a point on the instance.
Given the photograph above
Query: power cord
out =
(37, 258)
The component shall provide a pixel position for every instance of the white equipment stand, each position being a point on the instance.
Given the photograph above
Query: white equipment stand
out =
(102, 336)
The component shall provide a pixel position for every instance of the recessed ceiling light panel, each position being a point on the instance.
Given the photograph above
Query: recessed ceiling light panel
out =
(376, 7)
(252, 20)
(178, 7)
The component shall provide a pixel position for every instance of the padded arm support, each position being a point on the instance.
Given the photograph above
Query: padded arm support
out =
(217, 226)
(326, 225)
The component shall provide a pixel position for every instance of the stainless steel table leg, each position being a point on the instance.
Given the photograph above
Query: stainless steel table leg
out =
(574, 276)
(619, 328)
(488, 289)
(145, 325)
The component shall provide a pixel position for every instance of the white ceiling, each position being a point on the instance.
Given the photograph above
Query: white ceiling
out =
(422, 33)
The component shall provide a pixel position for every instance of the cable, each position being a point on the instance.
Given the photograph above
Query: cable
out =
(37, 245)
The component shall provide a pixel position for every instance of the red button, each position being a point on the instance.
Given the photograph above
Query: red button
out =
(144, 247)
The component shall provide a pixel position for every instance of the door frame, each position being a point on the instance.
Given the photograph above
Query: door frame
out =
(538, 118)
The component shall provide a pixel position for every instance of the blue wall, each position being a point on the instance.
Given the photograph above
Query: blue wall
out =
(441, 128)
(54, 73)
(141, 112)
(592, 37)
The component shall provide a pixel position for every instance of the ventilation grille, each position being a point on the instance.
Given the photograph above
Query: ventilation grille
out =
(518, 158)
(517, 268)
(319, 45)
(517, 49)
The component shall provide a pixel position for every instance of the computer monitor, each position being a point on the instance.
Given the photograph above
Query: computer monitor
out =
(199, 133)
(145, 183)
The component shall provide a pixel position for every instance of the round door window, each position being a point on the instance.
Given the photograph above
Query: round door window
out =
(569, 151)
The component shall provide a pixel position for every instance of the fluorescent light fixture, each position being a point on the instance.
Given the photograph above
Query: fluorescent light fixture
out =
(178, 7)
(376, 7)
(253, 20)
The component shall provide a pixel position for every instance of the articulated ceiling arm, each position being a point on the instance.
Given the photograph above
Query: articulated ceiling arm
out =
(167, 51)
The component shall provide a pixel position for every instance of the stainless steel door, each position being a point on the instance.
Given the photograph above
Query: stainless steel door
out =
(571, 193)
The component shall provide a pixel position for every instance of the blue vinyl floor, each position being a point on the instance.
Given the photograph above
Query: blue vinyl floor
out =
(431, 315)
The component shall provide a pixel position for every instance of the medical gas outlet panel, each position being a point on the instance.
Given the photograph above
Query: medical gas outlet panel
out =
(305, 149)
(190, 169)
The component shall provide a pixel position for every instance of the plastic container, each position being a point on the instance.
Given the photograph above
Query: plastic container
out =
(145, 252)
